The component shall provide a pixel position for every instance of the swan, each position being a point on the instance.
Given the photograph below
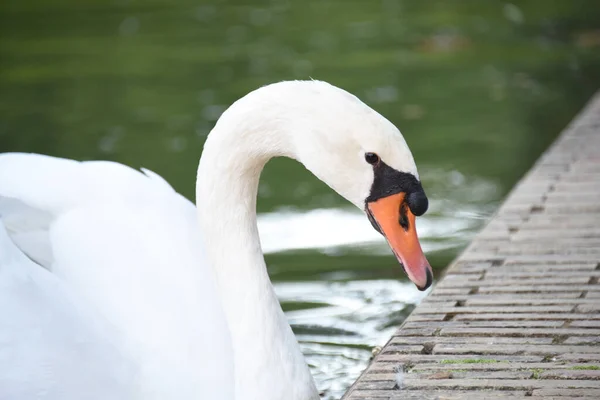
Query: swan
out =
(112, 285)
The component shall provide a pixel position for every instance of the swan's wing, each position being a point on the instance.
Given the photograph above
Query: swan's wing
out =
(35, 190)
(129, 246)
(50, 346)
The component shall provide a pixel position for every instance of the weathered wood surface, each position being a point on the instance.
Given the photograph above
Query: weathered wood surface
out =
(518, 313)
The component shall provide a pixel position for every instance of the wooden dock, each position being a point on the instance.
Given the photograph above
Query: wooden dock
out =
(518, 313)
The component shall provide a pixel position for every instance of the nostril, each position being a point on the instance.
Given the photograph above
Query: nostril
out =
(418, 203)
(403, 218)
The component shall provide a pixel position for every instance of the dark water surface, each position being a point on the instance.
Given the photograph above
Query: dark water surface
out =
(478, 88)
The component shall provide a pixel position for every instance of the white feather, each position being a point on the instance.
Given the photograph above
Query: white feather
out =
(130, 246)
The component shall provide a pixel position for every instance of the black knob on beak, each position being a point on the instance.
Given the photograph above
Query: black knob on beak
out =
(417, 202)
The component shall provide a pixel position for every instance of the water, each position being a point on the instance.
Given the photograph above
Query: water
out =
(479, 89)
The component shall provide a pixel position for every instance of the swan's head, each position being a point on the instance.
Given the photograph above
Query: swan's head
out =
(365, 158)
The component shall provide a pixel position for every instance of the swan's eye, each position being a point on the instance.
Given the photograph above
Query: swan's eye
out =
(371, 158)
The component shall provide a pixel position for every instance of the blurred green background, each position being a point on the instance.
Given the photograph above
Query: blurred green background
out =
(478, 88)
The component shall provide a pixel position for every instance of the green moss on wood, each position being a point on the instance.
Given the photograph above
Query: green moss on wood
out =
(586, 367)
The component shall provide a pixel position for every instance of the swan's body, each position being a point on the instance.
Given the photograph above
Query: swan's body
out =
(127, 245)
(131, 295)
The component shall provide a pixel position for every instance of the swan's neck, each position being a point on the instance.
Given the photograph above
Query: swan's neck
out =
(268, 360)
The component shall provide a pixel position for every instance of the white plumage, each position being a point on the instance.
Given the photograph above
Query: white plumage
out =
(127, 245)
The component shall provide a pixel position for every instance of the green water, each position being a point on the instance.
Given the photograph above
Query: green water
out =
(478, 88)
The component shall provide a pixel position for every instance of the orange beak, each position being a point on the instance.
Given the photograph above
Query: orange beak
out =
(397, 223)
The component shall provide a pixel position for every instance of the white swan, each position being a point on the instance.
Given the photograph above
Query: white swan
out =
(110, 288)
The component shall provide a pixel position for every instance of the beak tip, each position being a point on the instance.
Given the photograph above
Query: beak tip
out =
(429, 281)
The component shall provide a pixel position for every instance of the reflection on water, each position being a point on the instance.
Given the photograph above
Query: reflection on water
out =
(339, 322)
(478, 88)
